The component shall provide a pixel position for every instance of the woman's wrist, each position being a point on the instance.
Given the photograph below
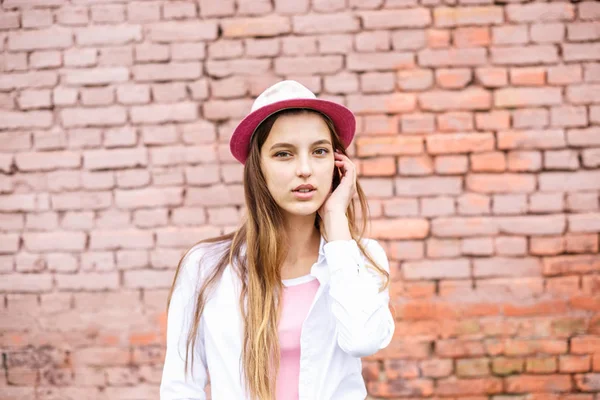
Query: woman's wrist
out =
(336, 225)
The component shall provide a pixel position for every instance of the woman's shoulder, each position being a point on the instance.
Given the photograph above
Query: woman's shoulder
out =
(200, 259)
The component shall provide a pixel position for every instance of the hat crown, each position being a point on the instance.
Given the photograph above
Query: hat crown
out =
(284, 90)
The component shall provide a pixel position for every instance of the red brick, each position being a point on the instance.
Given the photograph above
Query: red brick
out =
(438, 38)
(571, 264)
(524, 161)
(572, 363)
(585, 344)
(530, 76)
(463, 387)
(383, 166)
(582, 243)
(386, 229)
(491, 76)
(469, 367)
(456, 78)
(390, 19)
(436, 368)
(459, 16)
(471, 37)
(507, 366)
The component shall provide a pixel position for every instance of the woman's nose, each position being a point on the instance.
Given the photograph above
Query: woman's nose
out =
(304, 167)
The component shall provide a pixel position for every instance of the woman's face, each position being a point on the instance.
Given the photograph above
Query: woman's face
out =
(298, 151)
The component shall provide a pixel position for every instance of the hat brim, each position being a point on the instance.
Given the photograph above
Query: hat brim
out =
(343, 119)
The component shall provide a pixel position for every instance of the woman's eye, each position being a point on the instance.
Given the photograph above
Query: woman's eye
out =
(281, 154)
(321, 152)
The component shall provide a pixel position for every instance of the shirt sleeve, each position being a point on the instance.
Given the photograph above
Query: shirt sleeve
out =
(175, 385)
(363, 319)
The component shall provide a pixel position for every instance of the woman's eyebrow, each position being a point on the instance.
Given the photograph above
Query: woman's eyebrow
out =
(283, 144)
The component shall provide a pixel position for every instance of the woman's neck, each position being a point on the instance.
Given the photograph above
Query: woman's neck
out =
(304, 239)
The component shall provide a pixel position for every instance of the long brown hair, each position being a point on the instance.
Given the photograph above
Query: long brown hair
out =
(256, 256)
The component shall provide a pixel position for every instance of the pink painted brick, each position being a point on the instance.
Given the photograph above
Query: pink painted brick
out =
(390, 19)
(326, 23)
(29, 119)
(108, 13)
(158, 113)
(100, 116)
(540, 12)
(179, 10)
(524, 55)
(335, 44)
(117, 34)
(547, 32)
(50, 38)
(258, 26)
(32, 99)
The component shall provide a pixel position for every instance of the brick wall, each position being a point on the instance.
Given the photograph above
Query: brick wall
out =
(478, 145)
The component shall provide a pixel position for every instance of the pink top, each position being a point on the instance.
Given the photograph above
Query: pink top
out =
(298, 295)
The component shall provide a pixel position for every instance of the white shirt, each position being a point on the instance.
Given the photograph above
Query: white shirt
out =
(348, 319)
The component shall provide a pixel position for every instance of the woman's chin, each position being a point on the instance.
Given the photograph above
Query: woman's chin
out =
(302, 209)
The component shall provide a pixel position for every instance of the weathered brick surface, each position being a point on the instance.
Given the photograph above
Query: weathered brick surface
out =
(478, 144)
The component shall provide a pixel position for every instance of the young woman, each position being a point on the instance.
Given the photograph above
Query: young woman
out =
(284, 307)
